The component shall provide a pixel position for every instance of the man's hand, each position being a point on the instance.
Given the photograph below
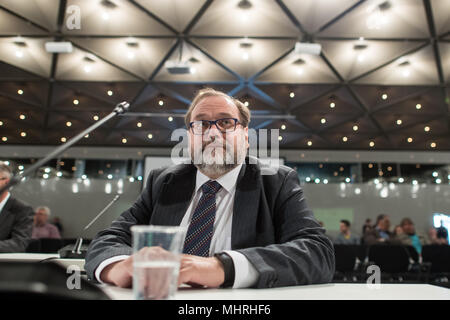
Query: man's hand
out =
(200, 271)
(119, 273)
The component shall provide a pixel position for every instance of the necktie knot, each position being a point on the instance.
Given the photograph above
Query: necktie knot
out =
(211, 187)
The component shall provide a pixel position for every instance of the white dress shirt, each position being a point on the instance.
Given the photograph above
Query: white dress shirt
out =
(2, 204)
(245, 273)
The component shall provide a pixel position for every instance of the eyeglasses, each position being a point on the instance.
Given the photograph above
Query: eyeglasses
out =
(224, 125)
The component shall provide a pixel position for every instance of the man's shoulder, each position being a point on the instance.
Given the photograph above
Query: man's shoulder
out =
(17, 205)
(270, 168)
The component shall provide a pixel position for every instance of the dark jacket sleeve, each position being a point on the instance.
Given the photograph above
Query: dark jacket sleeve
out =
(21, 229)
(116, 240)
(302, 254)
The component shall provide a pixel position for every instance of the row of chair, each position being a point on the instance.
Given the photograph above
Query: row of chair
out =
(396, 262)
(48, 245)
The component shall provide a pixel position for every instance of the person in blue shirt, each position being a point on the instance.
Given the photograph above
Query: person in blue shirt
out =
(410, 237)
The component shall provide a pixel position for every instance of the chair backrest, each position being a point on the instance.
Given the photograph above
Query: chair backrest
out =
(438, 255)
(34, 246)
(345, 255)
(50, 245)
(390, 258)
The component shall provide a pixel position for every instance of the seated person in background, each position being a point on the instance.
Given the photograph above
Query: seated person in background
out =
(41, 227)
(16, 218)
(345, 236)
(409, 237)
(433, 237)
(398, 230)
(380, 233)
(442, 234)
(258, 232)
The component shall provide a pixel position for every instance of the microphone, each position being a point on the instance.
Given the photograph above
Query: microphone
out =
(77, 251)
(120, 108)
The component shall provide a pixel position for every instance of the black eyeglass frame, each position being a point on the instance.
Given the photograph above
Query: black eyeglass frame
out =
(214, 122)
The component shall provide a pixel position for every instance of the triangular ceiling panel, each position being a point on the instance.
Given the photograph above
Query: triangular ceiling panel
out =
(246, 56)
(444, 50)
(203, 69)
(262, 18)
(28, 54)
(313, 14)
(113, 17)
(418, 68)
(353, 58)
(41, 12)
(83, 66)
(177, 13)
(441, 9)
(382, 19)
(11, 25)
(139, 56)
(299, 68)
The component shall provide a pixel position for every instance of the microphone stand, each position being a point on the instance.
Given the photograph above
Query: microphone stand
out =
(120, 108)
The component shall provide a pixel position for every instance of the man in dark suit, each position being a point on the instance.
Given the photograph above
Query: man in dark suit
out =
(264, 234)
(16, 219)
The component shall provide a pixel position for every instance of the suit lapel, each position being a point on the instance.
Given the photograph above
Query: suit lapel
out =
(245, 209)
(5, 212)
(175, 198)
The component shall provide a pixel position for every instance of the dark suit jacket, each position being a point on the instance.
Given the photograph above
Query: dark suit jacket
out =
(16, 223)
(272, 225)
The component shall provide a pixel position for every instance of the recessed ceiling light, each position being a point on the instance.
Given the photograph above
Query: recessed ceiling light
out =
(309, 143)
(433, 144)
(68, 123)
(95, 117)
(86, 136)
(4, 139)
(150, 136)
(371, 144)
(409, 140)
(110, 93)
(124, 140)
(22, 117)
(19, 54)
(87, 69)
(161, 102)
(20, 91)
(246, 103)
(332, 105)
(76, 102)
(23, 134)
(323, 120)
(345, 139)
(283, 127)
(1, 123)
(280, 138)
(418, 106)
(384, 96)
(291, 94)
(399, 122)
(427, 129)
(355, 128)
(63, 139)
(170, 119)
(139, 124)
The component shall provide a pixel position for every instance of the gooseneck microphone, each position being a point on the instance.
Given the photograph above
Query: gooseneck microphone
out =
(77, 251)
(120, 108)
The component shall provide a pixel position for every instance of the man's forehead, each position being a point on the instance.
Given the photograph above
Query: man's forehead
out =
(216, 104)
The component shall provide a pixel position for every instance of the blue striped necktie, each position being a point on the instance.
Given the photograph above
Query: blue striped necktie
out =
(200, 231)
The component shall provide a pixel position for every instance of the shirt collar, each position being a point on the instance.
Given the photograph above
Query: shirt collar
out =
(2, 204)
(227, 181)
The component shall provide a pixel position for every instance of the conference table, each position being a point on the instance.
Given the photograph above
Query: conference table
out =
(331, 291)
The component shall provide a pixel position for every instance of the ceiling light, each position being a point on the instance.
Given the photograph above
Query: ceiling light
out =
(307, 48)
(291, 94)
(355, 128)
(309, 143)
(433, 144)
(427, 129)
(245, 56)
(345, 139)
(410, 140)
(150, 136)
(418, 106)
(170, 119)
(19, 53)
(283, 127)
(370, 166)
(1, 123)
(280, 138)
(105, 16)
(124, 140)
(22, 117)
(130, 55)
(86, 136)
(95, 117)
(406, 73)
(68, 123)
(110, 93)
(371, 144)
(87, 69)
(384, 96)
(139, 124)
(76, 102)
(161, 102)
(20, 91)
(246, 103)
(399, 121)
(332, 105)
(63, 139)
(323, 120)
(435, 174)
(401, 180)
(4, 139)
(23, 134)
(438, 181)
